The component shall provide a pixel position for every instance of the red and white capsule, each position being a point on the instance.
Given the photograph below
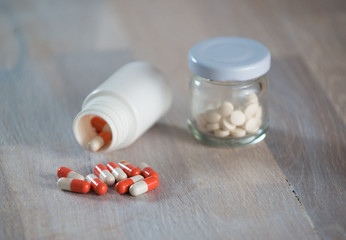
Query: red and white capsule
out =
(96, 184)
(99, 124)
(117, 172)
(68, 173)
(129, 169)
(104, 175)
(73, 185)
(124, 185)
(144, 186)
(99, 141)
(147, 171)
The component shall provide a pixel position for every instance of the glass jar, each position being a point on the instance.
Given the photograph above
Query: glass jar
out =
(228, 93)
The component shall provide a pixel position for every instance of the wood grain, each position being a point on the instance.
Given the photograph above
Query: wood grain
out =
(316, 170)
(291, 186)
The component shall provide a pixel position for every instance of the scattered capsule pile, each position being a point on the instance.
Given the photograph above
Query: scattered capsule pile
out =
(104, 134)
(226, 121)
(129, 178)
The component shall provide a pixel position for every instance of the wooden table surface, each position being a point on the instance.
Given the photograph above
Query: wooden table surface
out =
(290, 186)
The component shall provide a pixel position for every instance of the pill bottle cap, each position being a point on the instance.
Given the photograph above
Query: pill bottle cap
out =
(229, 59)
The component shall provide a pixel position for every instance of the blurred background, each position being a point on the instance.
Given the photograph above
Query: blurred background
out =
(292, 186)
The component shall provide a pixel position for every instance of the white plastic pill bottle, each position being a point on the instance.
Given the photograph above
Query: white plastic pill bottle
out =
(228, 92)
(130, 101)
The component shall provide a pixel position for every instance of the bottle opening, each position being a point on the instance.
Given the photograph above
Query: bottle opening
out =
(92, 132)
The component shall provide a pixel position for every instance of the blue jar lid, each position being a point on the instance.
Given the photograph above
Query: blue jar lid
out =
(229, 59)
